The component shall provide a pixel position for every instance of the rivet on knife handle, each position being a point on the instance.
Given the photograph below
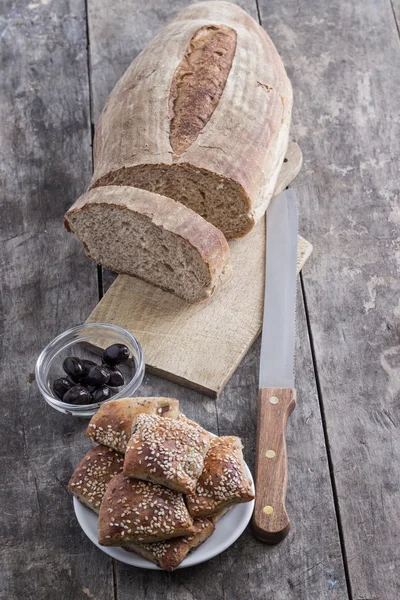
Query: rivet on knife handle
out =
(270, 520)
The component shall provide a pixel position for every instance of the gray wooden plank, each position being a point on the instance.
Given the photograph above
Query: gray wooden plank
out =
(47, 285)
(343, 59)
(308, 564)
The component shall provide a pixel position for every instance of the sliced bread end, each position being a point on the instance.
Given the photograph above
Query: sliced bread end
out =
(150, 236)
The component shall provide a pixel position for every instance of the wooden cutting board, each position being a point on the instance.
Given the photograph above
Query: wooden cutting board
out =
(201, 345)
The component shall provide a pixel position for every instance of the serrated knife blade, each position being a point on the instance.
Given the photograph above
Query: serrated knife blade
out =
(279, 320)
(277, 396)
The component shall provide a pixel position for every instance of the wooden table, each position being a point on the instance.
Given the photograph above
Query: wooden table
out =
(59, 60)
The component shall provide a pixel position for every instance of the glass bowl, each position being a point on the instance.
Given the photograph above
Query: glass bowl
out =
(88, 341)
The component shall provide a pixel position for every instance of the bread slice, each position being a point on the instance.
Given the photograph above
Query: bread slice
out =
(152, 237)
(112, 423)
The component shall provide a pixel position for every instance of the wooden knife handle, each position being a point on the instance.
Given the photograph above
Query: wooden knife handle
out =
(270, 520)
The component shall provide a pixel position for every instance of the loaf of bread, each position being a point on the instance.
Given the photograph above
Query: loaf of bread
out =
(202, 116)
(137, 232)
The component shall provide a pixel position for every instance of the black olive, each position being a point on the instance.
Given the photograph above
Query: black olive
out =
(102, 393)
(97, 376)
(61, 386)
(115, 354)
(87, 365)
(78, 395)
(74, 368)
(116, 377)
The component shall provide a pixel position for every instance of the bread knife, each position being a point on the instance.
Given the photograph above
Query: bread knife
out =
(276, 396)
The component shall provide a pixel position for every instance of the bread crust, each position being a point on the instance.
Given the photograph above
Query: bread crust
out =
(243, 140)
(167, 214)
(140, 511)
(112, 423)
(91, 477)
(198, 83)
(223, 481)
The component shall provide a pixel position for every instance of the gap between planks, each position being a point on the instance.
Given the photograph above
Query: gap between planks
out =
(326, 440)
(114, 573)
(100, 286)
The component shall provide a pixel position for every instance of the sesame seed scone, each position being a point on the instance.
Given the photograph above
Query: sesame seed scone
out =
(167, 451)
(170, 553)
(91, 477)
(112, 423)
(140, 511)
(223, 481)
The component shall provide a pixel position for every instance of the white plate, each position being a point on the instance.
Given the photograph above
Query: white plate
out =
(227, 531)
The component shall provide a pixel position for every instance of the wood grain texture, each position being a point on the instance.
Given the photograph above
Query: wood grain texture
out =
(308, 563)
(202, 344)
(343, 61)
(270, 522)
(45, 163)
